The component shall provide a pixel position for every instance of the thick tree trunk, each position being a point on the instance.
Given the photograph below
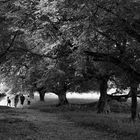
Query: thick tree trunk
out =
(41, 93)
(103, 95)
(62, 99)
(134, 101)
(42, 96)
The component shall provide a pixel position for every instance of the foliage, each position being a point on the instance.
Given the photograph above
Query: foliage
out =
(63, 45)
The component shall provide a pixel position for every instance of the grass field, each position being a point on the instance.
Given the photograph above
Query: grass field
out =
(117, 123)
(76, 121)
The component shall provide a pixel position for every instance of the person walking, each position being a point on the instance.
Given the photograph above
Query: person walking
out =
(22, 98)
(8, 101)
(16, 100)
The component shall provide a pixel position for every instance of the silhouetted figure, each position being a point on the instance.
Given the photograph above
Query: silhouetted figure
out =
(16, 100)
(8, 101)
(22, 98)
(28, 100)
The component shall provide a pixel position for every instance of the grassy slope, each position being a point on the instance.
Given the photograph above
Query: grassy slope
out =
(42, 121)
(14, 126)
(117, 123)
(29, 124)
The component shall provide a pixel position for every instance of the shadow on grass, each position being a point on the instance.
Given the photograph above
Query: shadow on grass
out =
(14, 128)
(50, 108)
(84, 115)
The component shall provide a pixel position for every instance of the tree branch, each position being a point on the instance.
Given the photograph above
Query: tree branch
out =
(127, 26)
(116, 61)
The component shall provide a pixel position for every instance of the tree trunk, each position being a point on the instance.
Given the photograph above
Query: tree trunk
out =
(103, 95)
(62, 99)
(42, 96)
(134, 101)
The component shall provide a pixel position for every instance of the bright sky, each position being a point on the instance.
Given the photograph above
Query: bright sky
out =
(2, 87)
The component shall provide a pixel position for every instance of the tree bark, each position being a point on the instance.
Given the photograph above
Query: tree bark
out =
(134, 101)
(103, 95)
(62, 99)
(42, 96)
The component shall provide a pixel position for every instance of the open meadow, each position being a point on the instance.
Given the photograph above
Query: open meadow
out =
(76, 121)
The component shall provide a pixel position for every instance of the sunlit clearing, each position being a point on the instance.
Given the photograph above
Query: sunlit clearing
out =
(89, 95)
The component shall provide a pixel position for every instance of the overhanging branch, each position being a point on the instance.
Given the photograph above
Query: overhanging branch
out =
(116, 61)
(127, 26)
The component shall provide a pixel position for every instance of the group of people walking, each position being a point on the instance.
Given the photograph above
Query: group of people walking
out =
(16, 100)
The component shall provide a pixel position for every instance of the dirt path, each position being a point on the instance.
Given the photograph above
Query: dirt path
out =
(53, 127)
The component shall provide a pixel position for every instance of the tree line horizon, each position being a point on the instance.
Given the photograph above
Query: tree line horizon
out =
(65, 45)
